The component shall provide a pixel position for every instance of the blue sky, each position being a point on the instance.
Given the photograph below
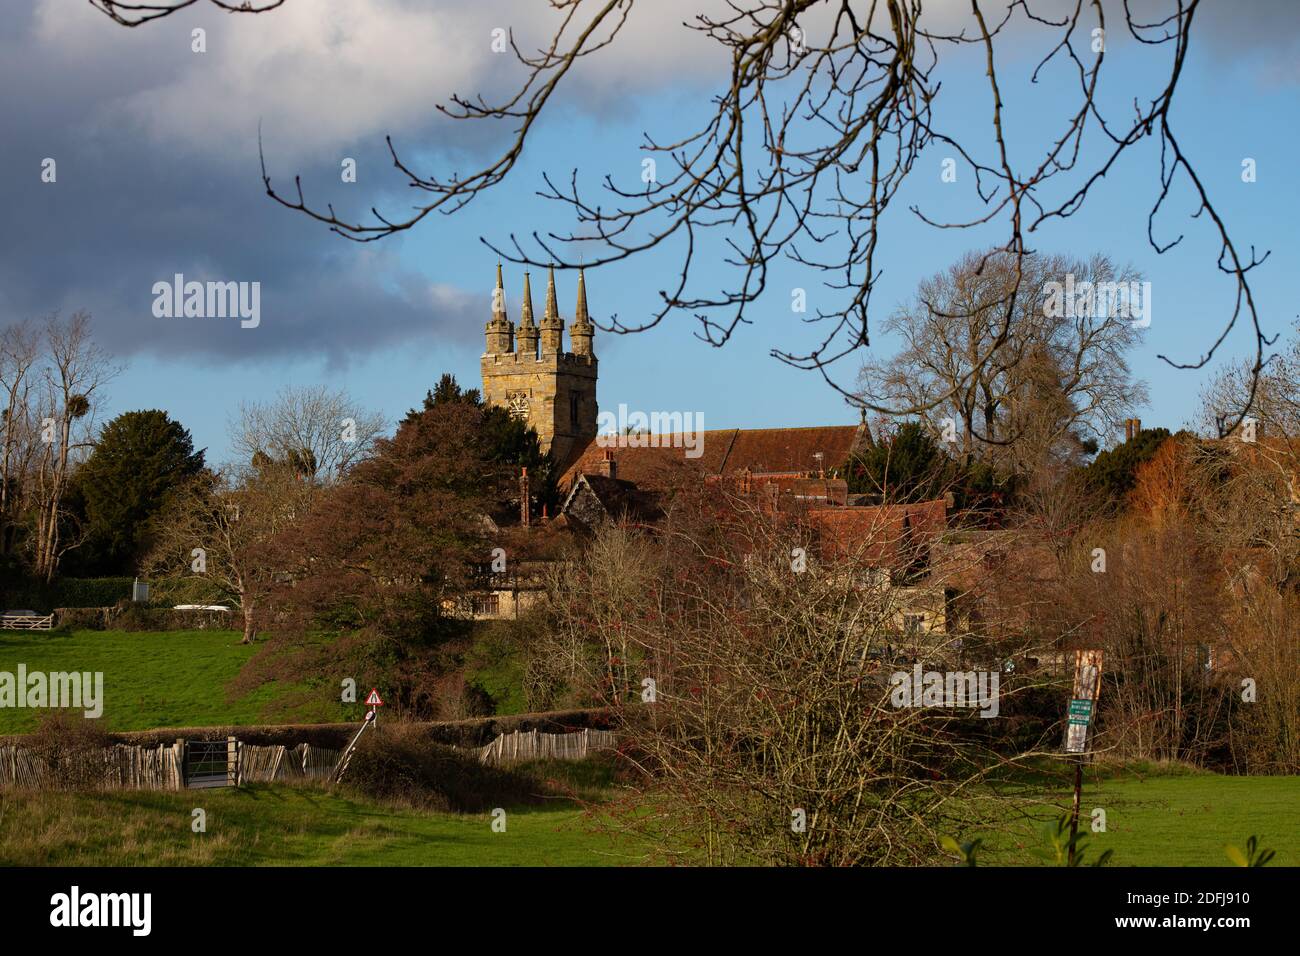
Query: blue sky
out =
(158, 174)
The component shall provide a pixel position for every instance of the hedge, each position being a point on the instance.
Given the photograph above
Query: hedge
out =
(135, 617)
(474, 732)
(64, 592)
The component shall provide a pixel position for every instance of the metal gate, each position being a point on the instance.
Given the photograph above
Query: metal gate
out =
(211, 763)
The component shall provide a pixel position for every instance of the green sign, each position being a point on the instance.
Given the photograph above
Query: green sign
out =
(1080, 712)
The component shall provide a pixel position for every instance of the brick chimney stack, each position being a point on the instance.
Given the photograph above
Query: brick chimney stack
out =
(1131, 428)
(608, 466)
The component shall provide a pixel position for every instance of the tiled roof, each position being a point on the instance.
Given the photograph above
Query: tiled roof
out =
(880, 534)
(762, 451)
(794, 489)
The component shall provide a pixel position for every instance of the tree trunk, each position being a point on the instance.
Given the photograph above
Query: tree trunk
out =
(250, 631)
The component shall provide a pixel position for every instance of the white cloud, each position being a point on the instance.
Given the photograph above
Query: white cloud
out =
(323, 74)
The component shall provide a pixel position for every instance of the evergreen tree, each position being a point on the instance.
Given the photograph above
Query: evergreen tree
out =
(141, 458)
(1112, 473)
(903, 467)
(507, 441)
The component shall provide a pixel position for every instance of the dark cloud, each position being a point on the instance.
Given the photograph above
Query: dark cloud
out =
(143, 195)
(1263, 35)
(129, 209)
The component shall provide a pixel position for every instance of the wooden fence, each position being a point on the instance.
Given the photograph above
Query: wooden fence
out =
(535, 745)
(269, 764)
(128, 767)
(120, 767)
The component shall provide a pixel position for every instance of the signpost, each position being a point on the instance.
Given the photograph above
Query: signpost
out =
(374, 702)
(1083, 704)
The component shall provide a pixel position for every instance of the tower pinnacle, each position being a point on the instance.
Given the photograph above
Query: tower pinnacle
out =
(526, 340)
(500, 333)
(580, 329)
(499, 297)
(552, 326)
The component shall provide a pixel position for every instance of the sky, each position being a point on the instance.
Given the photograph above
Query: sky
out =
(157, 173)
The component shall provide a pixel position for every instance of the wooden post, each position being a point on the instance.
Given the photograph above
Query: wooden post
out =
(178, 765)
(232, 762)
(1078, 793)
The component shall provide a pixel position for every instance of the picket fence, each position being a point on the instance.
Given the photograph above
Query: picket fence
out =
(269, 764)
(121, 767)
(535, 745)
(127, 767)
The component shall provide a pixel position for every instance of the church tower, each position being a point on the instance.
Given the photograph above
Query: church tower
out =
(526, 370)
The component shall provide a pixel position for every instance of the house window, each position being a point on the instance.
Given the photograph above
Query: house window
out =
(487, 605)
(573, 408)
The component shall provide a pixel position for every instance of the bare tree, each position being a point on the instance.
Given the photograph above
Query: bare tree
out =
(755, 690)
(822, 112)
(319, 431)
(76, 369)
(221, 527)
(19, 350)
(1271, 398)
(1022, 374)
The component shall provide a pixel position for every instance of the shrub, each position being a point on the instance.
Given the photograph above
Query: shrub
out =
(72, 748)
(136, 617)
(495, 663)
(401, 764)
(81, 618)
(185, 589)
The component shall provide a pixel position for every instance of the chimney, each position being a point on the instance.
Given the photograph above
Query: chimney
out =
(525, 499)
(608, 466)
(1131, 428)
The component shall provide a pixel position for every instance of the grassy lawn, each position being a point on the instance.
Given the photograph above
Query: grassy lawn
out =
(285, 826)
(151, 679)
(1163, 819)
(1155, 815)
(1160, 816)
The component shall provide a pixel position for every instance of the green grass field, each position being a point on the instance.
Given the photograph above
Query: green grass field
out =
(284, 826)
(1158, 816)
(1161, 820)
(151, 679)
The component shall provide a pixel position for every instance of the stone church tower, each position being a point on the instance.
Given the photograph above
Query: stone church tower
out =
(526, 370)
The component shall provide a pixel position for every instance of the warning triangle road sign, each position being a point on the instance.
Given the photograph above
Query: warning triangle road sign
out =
(373, 700)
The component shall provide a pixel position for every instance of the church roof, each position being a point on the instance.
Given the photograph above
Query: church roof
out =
(651, 460)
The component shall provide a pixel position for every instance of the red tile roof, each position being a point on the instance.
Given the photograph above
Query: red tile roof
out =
(721, 452)
(794, 488)
(880, 534)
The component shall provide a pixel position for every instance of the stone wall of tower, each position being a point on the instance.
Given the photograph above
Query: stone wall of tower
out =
(553, 389)
(547, 388)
